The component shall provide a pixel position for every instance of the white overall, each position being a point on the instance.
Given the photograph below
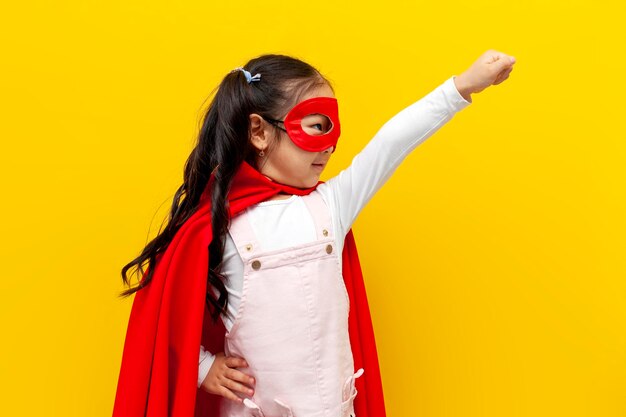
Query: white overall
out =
(292, 325)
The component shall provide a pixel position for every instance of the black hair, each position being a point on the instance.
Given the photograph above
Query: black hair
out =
(223, 140)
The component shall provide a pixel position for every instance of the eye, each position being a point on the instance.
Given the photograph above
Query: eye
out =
(316, 124)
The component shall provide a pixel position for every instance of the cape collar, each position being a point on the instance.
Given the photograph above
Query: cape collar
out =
(249, 187)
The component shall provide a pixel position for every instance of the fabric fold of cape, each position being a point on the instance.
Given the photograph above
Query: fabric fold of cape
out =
(169, 319)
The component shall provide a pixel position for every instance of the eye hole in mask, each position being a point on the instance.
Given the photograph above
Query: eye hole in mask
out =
(316, 124)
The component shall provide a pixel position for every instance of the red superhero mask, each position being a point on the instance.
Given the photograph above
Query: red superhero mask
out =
(313, 124)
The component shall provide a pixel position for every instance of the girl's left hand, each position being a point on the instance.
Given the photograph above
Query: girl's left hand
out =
(491, 68)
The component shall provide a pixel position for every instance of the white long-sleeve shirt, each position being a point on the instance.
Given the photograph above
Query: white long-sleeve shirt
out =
(282, 223)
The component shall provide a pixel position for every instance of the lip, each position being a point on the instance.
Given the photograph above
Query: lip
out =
(319, 166)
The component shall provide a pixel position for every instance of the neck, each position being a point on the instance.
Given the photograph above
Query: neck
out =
(280, 196)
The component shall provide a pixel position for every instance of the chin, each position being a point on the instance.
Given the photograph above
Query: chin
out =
(311, 184)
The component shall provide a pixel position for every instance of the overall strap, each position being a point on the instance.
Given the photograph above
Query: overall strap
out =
(320, 213)
(243, 236)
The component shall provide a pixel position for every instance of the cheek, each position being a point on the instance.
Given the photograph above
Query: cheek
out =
(296, 157)
(300, 164)
(306, 160)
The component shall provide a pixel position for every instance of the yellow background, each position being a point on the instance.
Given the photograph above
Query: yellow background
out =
(494, 257)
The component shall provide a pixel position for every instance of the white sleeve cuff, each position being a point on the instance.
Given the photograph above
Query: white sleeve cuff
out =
(455, 99)
(206, 360)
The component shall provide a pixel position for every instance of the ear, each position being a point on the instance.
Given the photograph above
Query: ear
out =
(259, 136)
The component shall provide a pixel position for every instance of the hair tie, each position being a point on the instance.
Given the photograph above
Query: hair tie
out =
(249, 77)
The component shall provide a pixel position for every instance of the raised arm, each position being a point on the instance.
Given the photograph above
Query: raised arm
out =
(372, 167)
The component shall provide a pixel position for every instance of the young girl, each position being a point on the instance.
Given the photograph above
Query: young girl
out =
(256, 274)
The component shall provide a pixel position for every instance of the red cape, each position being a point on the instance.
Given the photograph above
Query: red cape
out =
(169, 319)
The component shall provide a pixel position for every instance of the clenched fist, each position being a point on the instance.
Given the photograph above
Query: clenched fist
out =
(491, 68)
(223, 379)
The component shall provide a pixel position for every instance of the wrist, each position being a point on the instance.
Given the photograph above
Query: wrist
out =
(462, 88)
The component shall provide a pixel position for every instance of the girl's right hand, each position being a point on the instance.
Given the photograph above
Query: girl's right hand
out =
(223, 378)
